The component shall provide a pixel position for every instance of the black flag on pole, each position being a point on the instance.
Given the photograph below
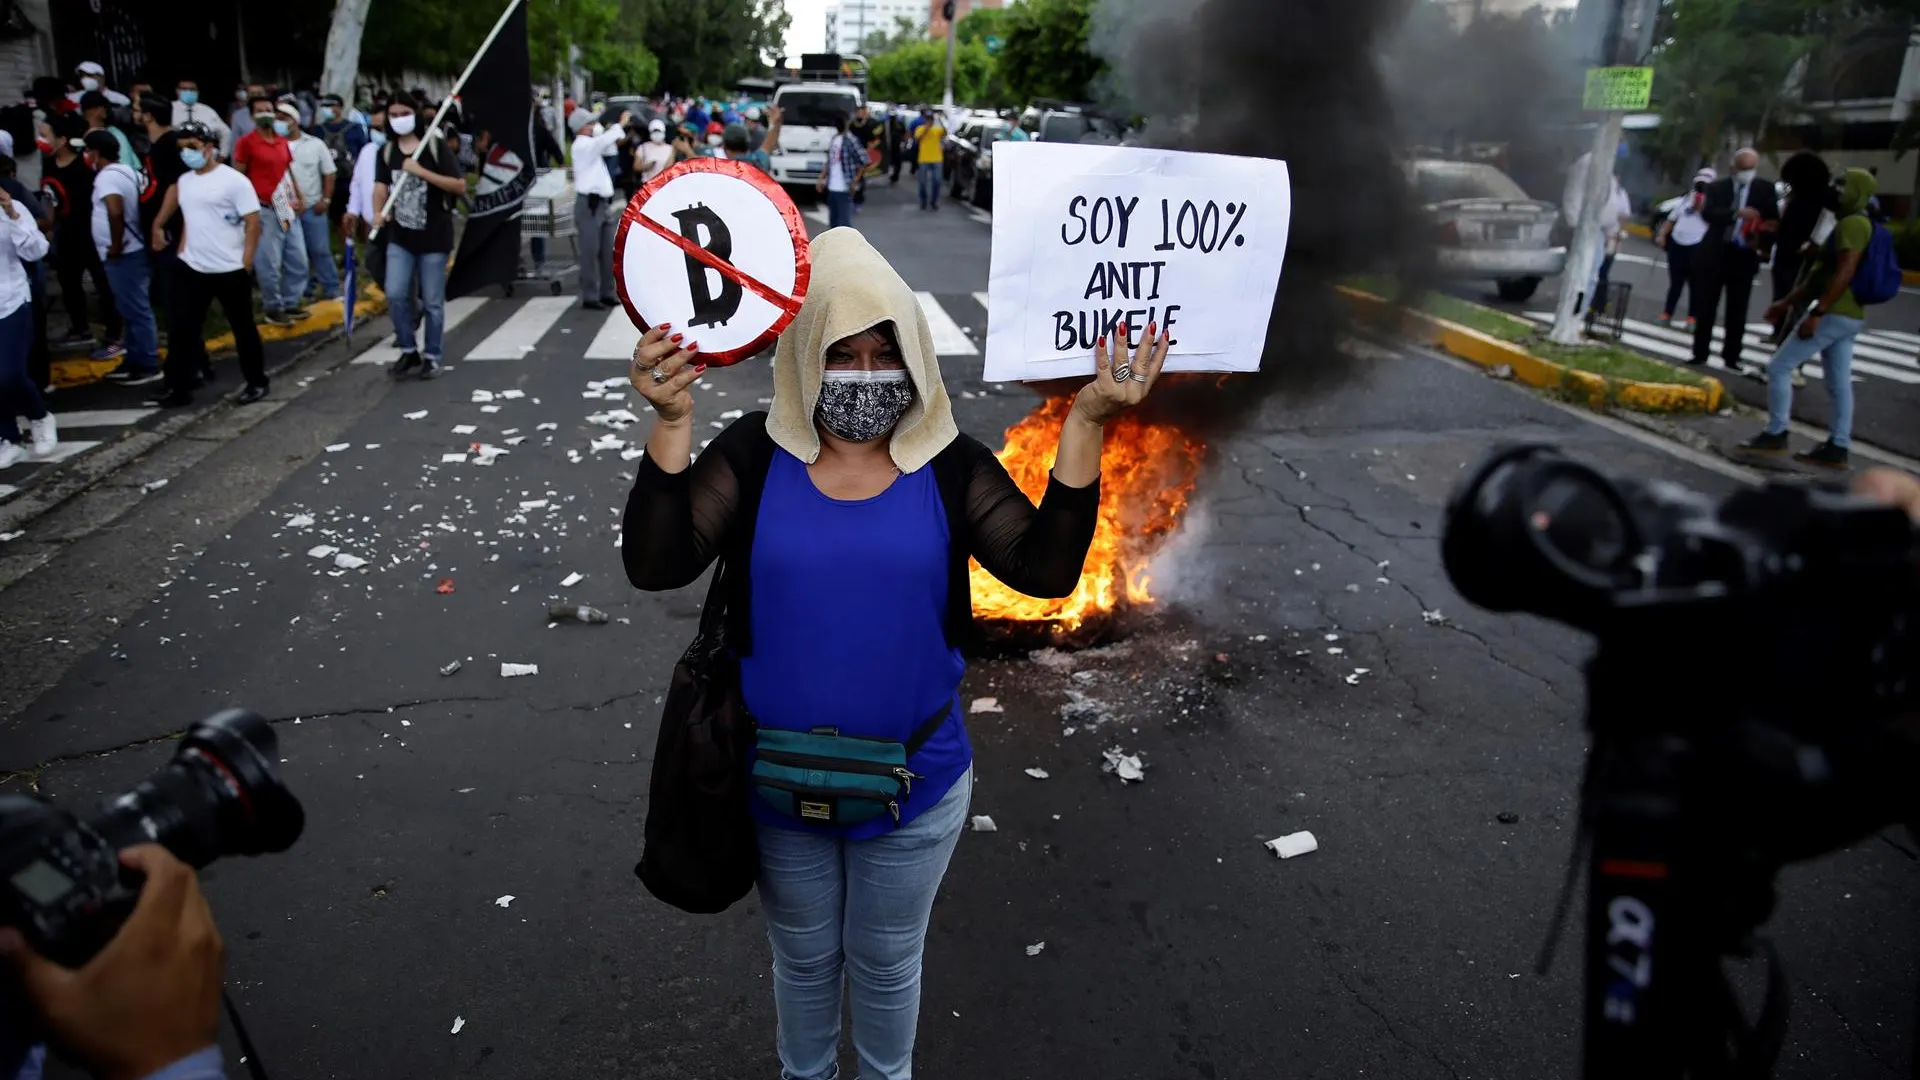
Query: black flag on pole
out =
(497, 106)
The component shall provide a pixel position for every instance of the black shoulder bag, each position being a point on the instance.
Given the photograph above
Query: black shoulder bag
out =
(699, 853)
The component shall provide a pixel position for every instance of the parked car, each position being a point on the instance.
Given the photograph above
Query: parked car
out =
(1057, 122)
(969, 154)
(1486, 226)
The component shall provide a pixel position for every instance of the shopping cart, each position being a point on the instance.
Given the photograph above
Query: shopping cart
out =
(546, 217)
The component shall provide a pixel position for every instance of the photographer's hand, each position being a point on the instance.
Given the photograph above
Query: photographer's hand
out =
(1893, 487)
(152, 996)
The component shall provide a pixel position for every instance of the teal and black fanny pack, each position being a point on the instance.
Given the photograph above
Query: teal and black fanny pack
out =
(826, 778)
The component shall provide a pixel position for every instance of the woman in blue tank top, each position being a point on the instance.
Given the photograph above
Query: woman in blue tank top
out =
(845, 518)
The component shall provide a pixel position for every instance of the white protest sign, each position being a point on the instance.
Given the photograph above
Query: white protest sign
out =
(717, 249)
(1086, 237)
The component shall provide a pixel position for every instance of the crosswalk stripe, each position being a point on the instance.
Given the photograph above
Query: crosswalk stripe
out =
(948, 338)
(818, 213)
(93, 418)
(616, 338)
(522, 331)
(1678, 345)
(979, 215)
(458, 309)
(61, 452)
(7, 490)
(981, 299)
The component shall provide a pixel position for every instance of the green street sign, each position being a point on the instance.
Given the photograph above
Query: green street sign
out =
(1618, 89)
(994, 45)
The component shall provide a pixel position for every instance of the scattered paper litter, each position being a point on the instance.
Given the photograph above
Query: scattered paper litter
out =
(1333, 637)
(153, 485)
(321, 551)
(1354, 679)
(464, 429)
(511, 395)
(516, 440)
(489, 408)
(548, 426)
(510, 671)
(505, 900)
(482, 395)
(348, 562)
(449, 669)
(1292, 844)
(532, 504)
(453, 459)
(371, 446)
(1036, 948)
(1127, 766)
(1259, 637)
(14, 535)
(339, 446)
(484, 453)
(733, 414)
(633, 452)
(572, 579)
(1038, 774)
(421, 415)
(983, 823)
(986, 704)
(1433, 618)
(458, 1023)
(607, 442)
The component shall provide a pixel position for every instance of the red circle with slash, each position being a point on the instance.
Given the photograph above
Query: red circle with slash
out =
(771, 226)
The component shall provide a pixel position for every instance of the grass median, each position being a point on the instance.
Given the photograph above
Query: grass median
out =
(1600, 358)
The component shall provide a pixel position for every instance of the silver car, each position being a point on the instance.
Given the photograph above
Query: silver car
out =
(1485, 226)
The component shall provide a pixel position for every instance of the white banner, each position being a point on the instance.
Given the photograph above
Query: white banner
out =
(1086, 237)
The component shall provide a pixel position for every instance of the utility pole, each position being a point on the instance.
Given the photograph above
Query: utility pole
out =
(952, 34)
(1588, 245)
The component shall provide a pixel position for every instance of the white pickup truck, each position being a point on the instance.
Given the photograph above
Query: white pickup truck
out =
(808, 113)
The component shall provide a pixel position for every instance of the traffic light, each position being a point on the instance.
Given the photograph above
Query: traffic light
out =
(946, 11)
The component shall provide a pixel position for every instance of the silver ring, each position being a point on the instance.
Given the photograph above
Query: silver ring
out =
(1136, 376)
(1122, 373)
(658, 375)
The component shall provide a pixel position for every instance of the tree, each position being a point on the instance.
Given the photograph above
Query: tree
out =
(1046, 54)
(340, 65)
(706, 45)
(918, 73)
(880, 42)
(981, 24)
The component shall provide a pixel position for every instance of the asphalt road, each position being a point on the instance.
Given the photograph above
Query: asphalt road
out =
(1887, 358)
(1176, 945)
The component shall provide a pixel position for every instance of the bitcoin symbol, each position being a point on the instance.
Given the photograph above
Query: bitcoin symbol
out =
(708, 309)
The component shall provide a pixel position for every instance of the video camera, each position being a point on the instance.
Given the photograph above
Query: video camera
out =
(1698, 791)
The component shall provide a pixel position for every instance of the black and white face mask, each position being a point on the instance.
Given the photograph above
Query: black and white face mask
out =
(860, 406)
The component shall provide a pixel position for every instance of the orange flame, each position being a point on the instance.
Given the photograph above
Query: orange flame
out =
(1147, 473)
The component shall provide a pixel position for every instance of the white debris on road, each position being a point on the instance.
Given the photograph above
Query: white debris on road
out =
(1292, 844)
(510, 671)
(1433, 618)
(986, 704)
(339, 446)
(458, 1023)
(481, 396)
(1036, 948)
(453, 459)
(983, 823)
(421, 415)
(299, 521)
(152, 485)
(464, 429)
(321, 551)
(505, 900)
(1038, 773)
(1354, 679)
(349, 562)
(1127, 766)
(512, 395)
(572, 579)
(533, 504)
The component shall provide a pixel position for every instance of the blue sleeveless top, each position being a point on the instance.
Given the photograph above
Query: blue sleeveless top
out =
(849, 608)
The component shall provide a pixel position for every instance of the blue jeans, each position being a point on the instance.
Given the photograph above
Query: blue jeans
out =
(839, 209)
(858, 908)
(402, 267)
(128, 276)
(19, 394)
(1832, 340)
(929, 174)
(315, 232)
(280, 263)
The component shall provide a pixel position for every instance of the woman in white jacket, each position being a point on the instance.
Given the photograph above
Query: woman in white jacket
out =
(20, 239)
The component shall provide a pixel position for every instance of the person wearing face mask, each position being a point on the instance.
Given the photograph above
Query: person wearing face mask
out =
(1679, 234)
(735, 144)
(66, 185)
(91, 78)
(220, 226)
(359, 205)
(162, 167)
(123, 251)
(1741, 214)
(424, 179)
(654, 155)
(95, 107)
(265, 157)
(187, 106)
(595, 214)
(241, 120)
(314, 176)
(344, 136)
(844, 519)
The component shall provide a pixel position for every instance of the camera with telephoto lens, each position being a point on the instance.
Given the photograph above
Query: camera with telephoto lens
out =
(1753, 702)
(64, 888)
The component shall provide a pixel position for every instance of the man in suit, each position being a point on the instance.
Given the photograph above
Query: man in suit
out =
(1741, 214)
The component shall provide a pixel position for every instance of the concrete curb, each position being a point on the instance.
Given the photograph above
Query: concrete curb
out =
(1597, 391)
(328, 315)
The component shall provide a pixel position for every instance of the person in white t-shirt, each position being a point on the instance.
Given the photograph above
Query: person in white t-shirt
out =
(595, 214)
(220, 230)
(654, 155)
(20, 239)
(117, 237)
(1683, 230)
(313, 180)
(846, 160)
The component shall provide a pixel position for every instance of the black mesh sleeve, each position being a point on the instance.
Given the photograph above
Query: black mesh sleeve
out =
(1040, 551)
(677, 523)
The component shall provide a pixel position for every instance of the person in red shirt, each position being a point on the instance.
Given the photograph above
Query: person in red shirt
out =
(265, 156)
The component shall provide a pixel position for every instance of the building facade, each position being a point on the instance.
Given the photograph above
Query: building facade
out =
(851, 21)
(937, 25)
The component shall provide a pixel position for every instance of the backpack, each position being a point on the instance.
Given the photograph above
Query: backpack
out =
(1877, 279)
(337, 145)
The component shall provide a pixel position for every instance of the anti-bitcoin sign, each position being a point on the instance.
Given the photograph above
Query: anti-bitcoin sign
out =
(715, 248)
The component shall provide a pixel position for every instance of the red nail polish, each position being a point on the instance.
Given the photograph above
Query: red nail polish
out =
(700, 369)
(693, 346)
(1152, 330)
(666, 326)
(675, 338)
(1103, 341)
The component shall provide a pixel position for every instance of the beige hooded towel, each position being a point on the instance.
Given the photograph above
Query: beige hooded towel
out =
(853, 289)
